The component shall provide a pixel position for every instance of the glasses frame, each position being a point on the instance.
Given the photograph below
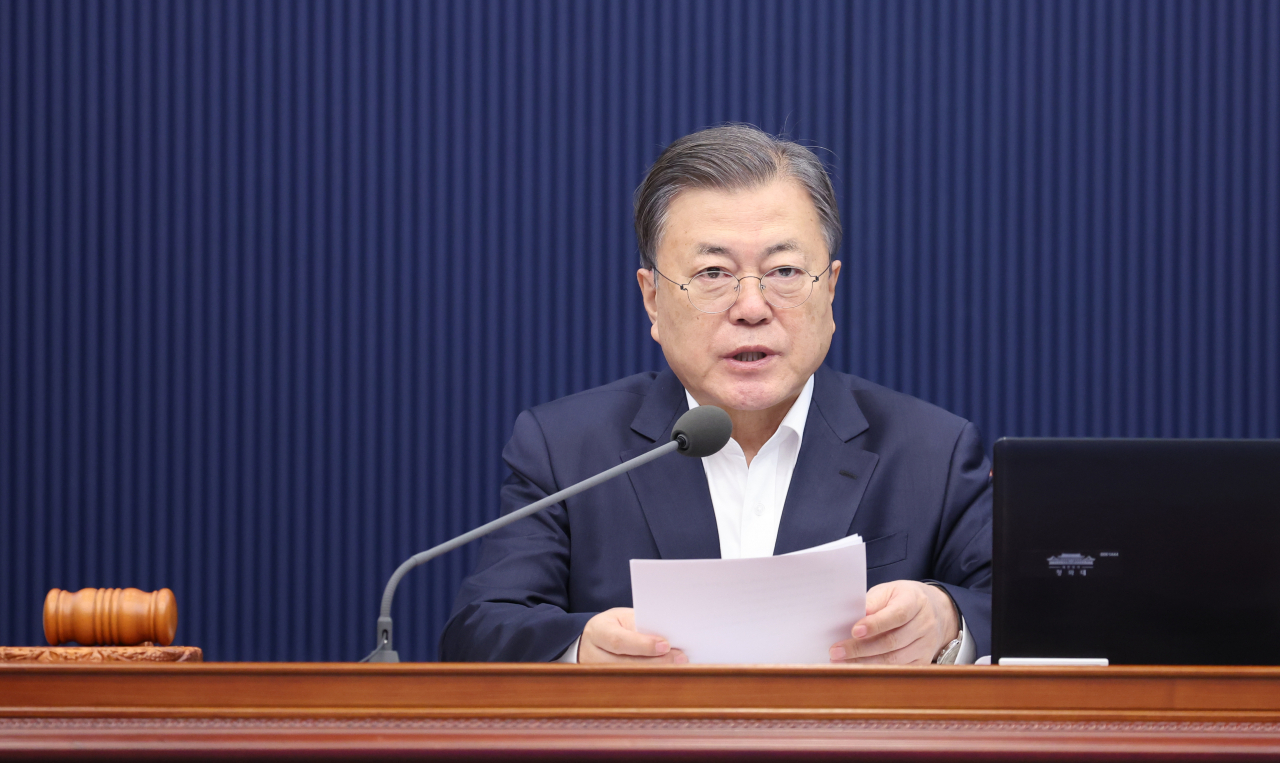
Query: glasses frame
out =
(737, 287)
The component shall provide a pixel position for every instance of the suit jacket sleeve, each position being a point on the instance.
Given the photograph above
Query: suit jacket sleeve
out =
(963, 557)
(514, 607)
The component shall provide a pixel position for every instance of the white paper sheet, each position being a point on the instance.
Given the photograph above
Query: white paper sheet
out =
(775, 609)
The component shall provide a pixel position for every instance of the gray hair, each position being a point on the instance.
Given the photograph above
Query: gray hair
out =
(729, 158)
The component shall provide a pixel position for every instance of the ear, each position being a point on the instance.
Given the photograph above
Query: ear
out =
(831, 288)
(649, 292)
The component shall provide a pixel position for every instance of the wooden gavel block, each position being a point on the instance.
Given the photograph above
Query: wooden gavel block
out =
(110, 616)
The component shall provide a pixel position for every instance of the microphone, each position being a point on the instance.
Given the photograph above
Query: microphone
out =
(697, 434)
(702, 431)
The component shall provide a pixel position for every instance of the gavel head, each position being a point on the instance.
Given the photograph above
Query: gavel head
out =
(110, 616)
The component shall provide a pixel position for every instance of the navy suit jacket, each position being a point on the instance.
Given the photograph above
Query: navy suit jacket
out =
(910, 478)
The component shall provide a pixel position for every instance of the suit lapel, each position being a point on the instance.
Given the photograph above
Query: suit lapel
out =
(832, 471)
(673, 490)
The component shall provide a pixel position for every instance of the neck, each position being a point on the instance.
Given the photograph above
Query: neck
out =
(752, 429)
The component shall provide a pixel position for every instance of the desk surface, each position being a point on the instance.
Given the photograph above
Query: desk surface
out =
(552, 711)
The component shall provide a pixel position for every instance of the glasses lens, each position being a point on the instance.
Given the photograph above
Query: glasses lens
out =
(787, 286)
(713, 291)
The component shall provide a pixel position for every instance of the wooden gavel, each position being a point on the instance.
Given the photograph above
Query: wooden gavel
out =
(110, 616)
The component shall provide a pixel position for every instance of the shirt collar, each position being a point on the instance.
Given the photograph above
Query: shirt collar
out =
(795, 418)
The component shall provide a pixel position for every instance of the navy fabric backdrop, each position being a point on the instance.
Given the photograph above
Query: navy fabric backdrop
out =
(276, 277)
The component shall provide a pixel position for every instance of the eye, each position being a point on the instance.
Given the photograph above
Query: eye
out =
(786, 272)
(713, 274)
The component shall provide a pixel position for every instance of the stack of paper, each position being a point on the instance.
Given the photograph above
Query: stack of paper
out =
(773, 609)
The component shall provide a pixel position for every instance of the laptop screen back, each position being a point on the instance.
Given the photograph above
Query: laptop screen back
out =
(1163, 552)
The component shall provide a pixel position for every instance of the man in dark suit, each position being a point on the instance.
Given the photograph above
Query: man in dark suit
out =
(737, 230)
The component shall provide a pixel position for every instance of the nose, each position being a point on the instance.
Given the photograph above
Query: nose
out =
(750, 306)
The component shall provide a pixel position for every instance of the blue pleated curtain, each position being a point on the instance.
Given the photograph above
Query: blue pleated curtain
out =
(276, 277)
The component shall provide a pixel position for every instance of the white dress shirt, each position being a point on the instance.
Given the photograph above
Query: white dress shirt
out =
(748, 498)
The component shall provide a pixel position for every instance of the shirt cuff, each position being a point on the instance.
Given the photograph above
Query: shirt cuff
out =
(968, 651)
(570, 655)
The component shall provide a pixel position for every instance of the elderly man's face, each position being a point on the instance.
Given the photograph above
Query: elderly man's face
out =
(753, 356)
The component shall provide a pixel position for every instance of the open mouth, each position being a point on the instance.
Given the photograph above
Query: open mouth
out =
(749, 357)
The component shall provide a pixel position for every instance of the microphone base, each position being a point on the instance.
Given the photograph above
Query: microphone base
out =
(383, 655)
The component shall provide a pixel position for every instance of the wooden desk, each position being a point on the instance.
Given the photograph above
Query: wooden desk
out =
(315, 711)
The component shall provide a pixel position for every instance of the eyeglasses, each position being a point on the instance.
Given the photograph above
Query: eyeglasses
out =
(715, 290)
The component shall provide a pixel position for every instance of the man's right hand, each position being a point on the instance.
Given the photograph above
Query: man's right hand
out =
(611, 637)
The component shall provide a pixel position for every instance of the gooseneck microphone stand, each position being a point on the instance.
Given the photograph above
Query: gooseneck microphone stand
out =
(698, 433)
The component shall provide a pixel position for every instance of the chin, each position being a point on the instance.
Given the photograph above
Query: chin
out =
(752, 396)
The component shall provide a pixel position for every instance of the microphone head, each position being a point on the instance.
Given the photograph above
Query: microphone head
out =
(702, 431)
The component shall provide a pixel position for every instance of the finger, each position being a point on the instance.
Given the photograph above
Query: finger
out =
(878, 597)
(597, 655)
(889, 641)
(852, 649)
(624, 616)
(614, 631)
(915, 652)
(898, 611)
(624, 642)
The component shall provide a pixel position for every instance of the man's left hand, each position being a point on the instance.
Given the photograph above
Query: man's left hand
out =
(907, 623)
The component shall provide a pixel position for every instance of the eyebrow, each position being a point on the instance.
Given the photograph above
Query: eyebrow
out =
(790, 245)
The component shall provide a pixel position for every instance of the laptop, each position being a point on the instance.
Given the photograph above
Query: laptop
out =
(1137, 551)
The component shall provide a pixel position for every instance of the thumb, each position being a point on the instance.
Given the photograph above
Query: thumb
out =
(878, 597)
(626, 617)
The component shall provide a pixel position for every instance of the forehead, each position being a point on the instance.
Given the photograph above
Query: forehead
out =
(746, 223)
